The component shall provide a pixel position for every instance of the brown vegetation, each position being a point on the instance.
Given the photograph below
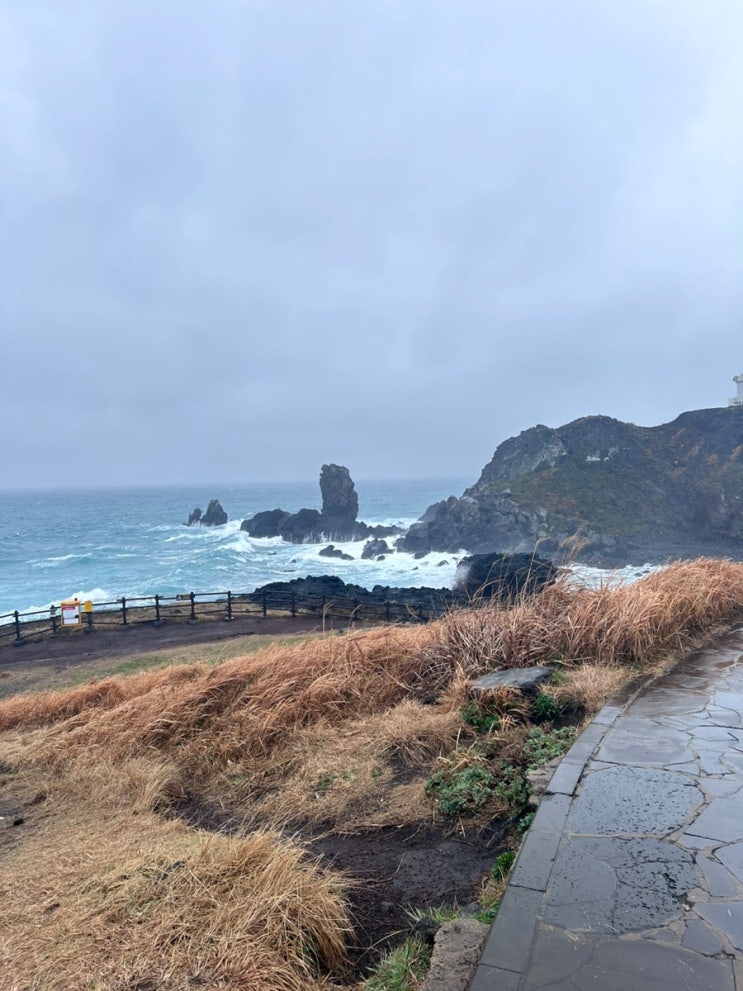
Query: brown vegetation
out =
(107, 886)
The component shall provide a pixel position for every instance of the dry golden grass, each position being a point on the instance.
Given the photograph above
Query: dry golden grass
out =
(615, 623)
(105, 893)
(587, 687)
(41, 708)
(95, 903)
(346, 775)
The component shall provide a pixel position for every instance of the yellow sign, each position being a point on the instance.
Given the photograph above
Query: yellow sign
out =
(70, 612)
(88, 606)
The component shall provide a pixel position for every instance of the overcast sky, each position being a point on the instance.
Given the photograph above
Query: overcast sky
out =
(243, 238)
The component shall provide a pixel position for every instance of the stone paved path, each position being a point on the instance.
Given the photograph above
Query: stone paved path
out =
(631, 876)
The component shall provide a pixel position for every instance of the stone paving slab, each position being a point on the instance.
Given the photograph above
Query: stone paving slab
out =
(631, 875)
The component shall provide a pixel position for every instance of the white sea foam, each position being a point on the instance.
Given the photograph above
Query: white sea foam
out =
(55, 562)
(596, 577)
(436, 569)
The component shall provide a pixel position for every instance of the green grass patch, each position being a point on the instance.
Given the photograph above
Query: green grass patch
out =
(502, 865)
(401, 969)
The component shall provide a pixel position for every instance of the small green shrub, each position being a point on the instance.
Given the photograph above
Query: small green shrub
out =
(525, 821)
(480, 718)
(542, 745)
(461, 792)
(512, 788)
(488, 914)
(544, 708)
(324, 782)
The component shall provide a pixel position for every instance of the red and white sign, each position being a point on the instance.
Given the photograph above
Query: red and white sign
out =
(70, 612)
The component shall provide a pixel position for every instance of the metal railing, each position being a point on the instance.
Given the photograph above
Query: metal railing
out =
(197, 607)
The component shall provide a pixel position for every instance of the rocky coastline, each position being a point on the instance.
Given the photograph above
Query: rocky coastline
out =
(595, 491)
(602, 492)
(480, 577)
(337, 520)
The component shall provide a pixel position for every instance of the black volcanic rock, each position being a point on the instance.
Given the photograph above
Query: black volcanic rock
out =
(337, 521)
(506, 577)
(375, 547)
(340, 504)
(302, 527)
(331, 551)
(265, 524)
(214, 515)
(604, 492)
(427, 601)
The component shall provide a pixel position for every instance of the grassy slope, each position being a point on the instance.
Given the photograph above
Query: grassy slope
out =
(102, 890)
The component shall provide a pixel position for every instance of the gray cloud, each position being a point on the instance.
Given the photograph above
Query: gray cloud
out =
(245, 239)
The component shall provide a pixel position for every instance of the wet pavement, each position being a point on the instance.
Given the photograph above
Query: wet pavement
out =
(631, 875)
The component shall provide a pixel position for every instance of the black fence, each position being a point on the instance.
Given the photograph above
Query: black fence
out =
(198, 607)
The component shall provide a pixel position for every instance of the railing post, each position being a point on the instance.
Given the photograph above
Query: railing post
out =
(89, 617)
(387, 611)
(157, 611)
(294, 605)
(17, 621)
(229, 604)
(265, 606)
(123, 610)
(192, 596)
(53, 617)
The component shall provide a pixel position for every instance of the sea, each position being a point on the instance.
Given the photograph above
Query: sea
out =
(102, 544)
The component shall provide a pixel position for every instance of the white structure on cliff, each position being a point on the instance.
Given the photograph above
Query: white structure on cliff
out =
(737, 400)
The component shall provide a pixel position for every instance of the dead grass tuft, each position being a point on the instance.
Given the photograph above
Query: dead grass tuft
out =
(44, 708)
(587, 687)
(171, 907)
(613, 624)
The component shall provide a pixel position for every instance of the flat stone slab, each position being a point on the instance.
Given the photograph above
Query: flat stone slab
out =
(727, 916)
(644, 743)
(609, 885)
(634, 800)
(526, 680)
(563, 963)
(722, 820)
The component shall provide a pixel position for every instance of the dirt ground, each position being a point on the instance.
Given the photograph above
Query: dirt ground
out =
(394, 870)
(48, 661)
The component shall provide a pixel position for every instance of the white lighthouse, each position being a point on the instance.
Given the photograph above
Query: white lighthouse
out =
(737, 400)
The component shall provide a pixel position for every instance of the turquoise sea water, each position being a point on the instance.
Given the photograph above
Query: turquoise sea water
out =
(104, 543)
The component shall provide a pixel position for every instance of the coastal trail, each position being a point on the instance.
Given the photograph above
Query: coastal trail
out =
(631, 875)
